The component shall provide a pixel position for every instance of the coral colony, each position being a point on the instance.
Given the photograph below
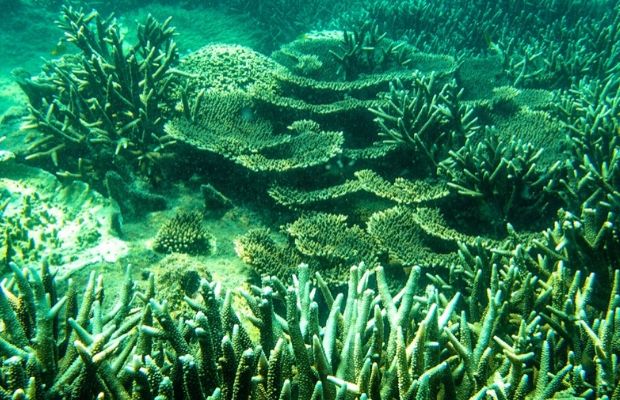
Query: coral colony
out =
(439, 185)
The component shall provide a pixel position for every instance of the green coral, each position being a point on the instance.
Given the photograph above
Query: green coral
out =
(256, 148)
(399, 232)
(308, 147)
(547, 44)
(329, 238)
(364, 51)
(258, 249)
(220, 127)
(503, 178)
(485, 328)
(183, 233)
(79, 359)
(402, 191)
(427, 117)
(103, 108)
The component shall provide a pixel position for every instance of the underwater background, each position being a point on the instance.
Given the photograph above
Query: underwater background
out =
(281, 199)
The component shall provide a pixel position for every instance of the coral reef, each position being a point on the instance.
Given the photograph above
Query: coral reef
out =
(504, 178)
(547, 44)
(362, 51)
(241, 103)
(103, 108)
(183, 233)
(428, 118)
(76, 359)
(282, 20)
(518, 336)
(421, 117)
(448, 223)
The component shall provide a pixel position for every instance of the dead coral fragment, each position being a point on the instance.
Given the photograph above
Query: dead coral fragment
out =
(183, 233)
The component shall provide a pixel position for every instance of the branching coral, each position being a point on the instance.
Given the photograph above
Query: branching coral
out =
(426, 117)
(586, 232)
(489, 327)
(547, 43)
(503, 177)
(588, 49)
(590, 115)
(103, 108)
(75, 353)
(365, 50)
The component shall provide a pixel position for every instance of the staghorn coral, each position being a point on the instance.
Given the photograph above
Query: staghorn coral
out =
(585, 232)
(364, 50)
(103, 108)
(548, 43)
(427, 118)
(183, 233)
(81, 358)
(489, 326)
(589, 115)
(503, 179)
(585, 241)
(544, 61)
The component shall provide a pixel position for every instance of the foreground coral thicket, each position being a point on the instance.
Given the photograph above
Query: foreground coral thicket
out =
(506, 334)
